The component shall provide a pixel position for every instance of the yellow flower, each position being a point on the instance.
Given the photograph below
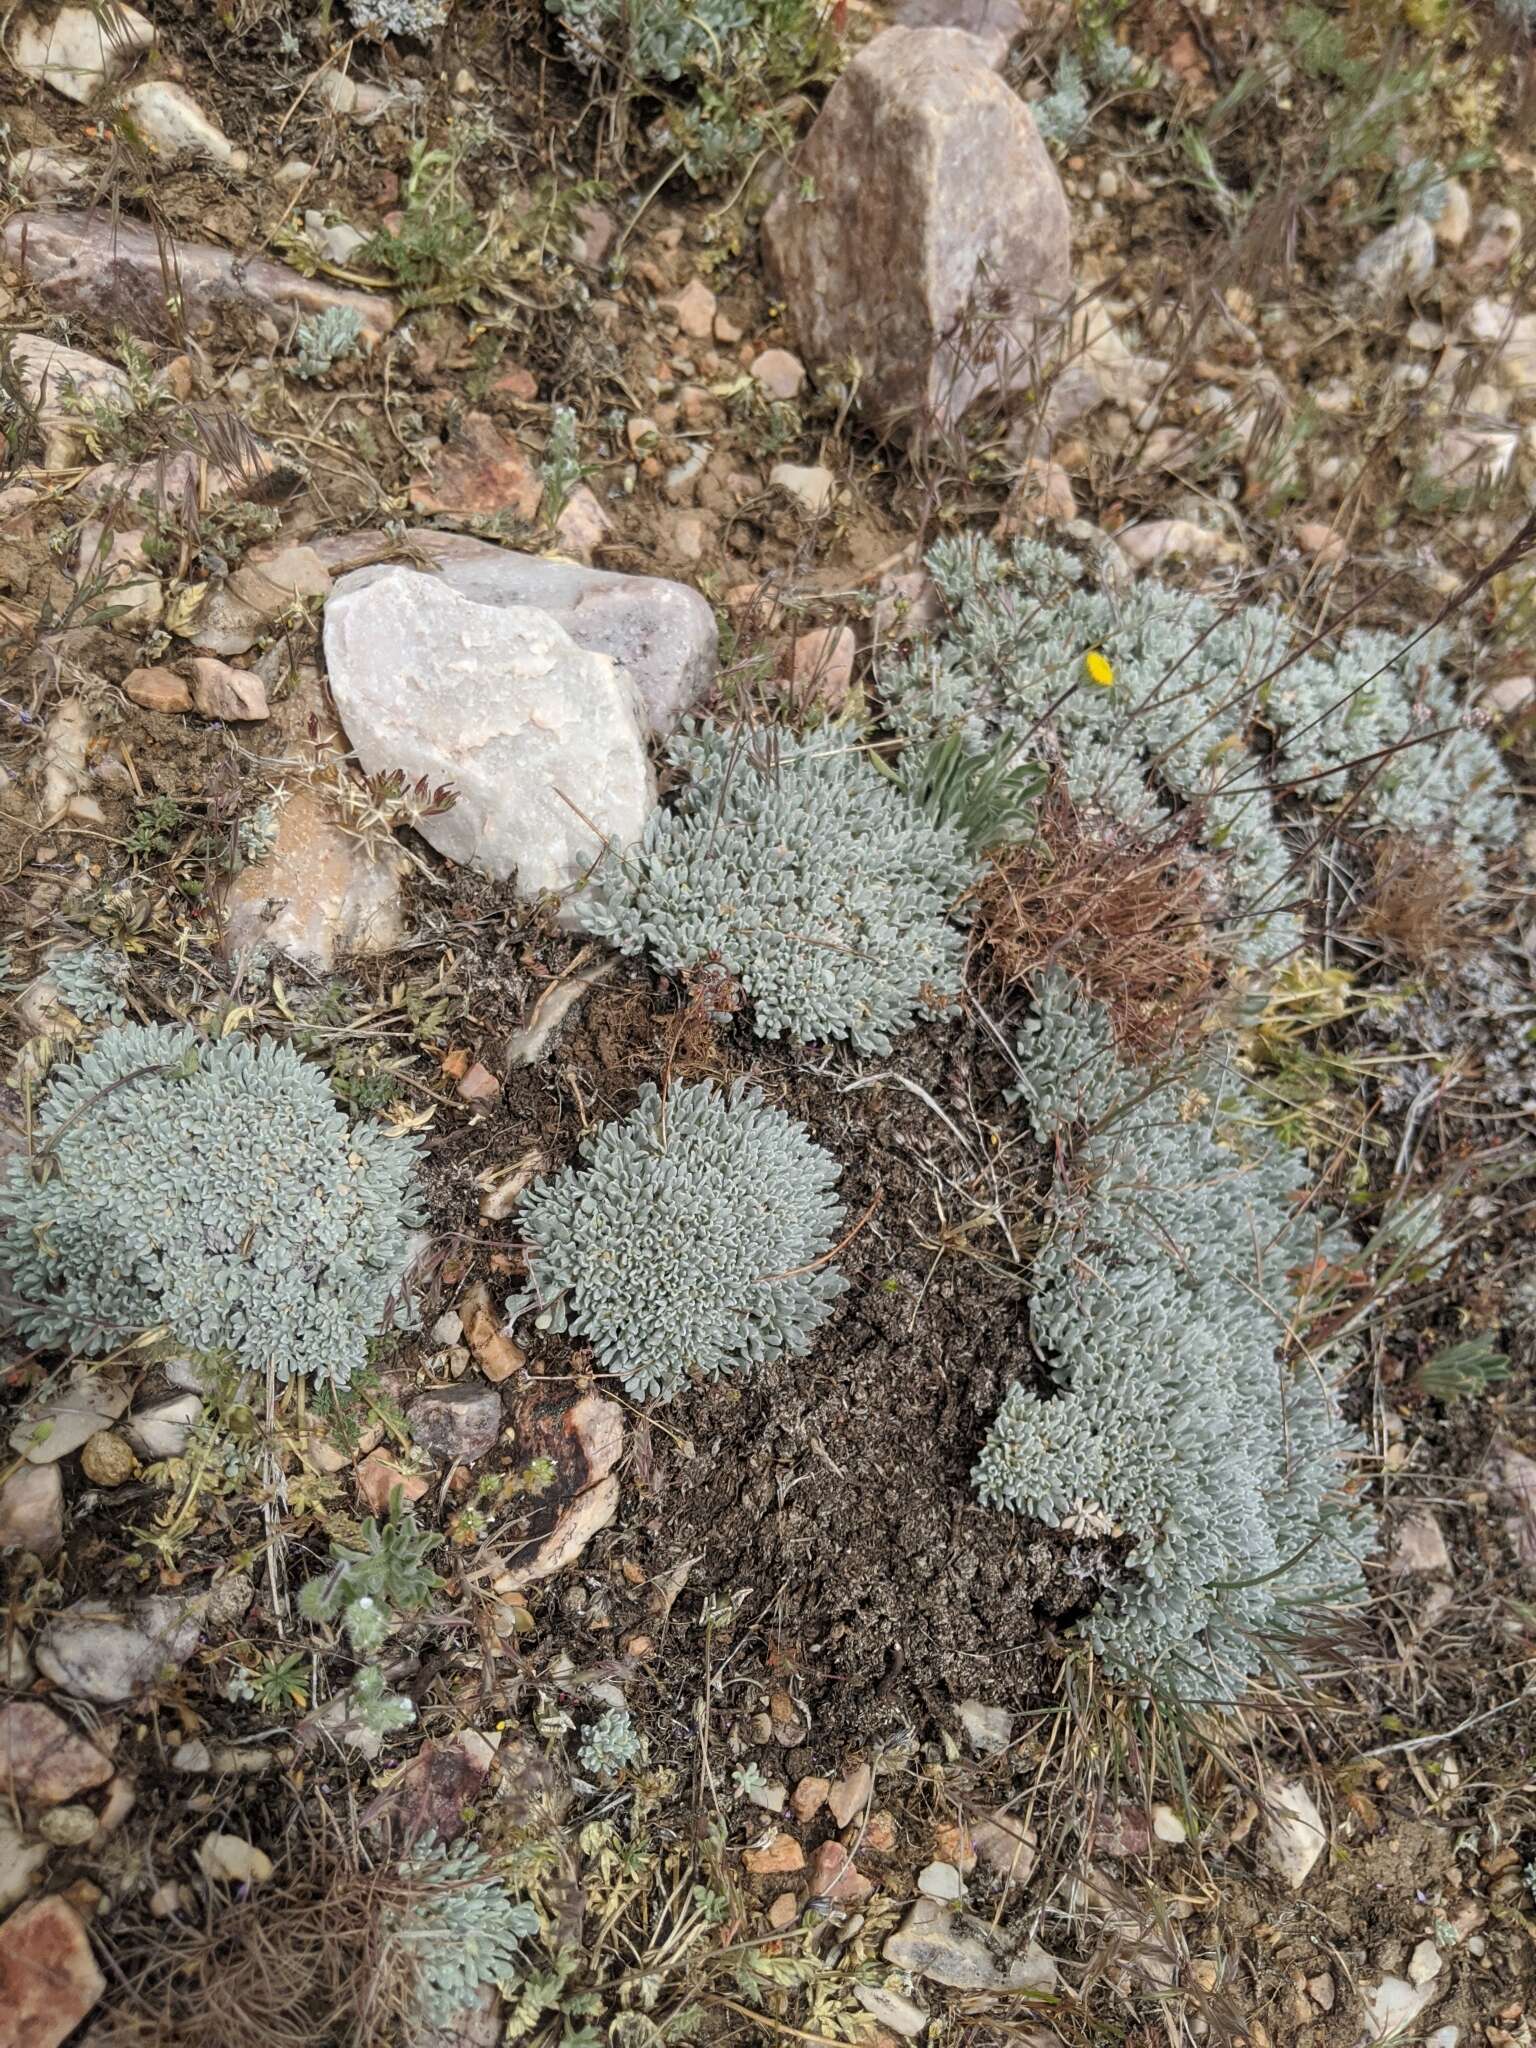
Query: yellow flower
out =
(1098, 669)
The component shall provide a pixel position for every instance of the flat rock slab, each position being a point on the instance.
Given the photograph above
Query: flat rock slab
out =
(923, 231)
(958, 1949)
(58, 380)
(81, 49)
(320, 894)
(32, 1510)
(543, 741)
(94, 1652)
(92, 267)
(661, 632)
(49, 1979)
(43, 1761)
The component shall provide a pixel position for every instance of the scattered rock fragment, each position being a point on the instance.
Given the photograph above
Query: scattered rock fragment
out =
(61, 385)
(1399, 259)
(477, 1084)
(935, 203)
(1167, 1826)
(836, 1877)
(457, 1422)
(81, 50)
(941, 1881)
(43, 1762)
(49, 1980)
(1425, 1963)
(269, 584)
(32, 1511)
(1471, 458)
(1420, 1545)
(49, 173)
(1006, 1845)
(813, 487)
(1043, 492)
(96, 1653)
(173, 124)
(988, 1730)
(783, 1912)
(1499, 234)
(1294, 1834)
(1393, 2005)
(1321, 542)
(850, 1796)
(780, 374)
(964, 1952)
(66, 766)
(157, 689)
(320, 893)
(107, 1460)
(1510, 696)
(1453, 223)
(54, 1425)
(808, 1797)
(20, 1860)
(100, 268)
(892, 2010)
(66, 1827)
(821, 666)
(1506, 343)
(378, 1477)
(1515, 1475)
(541, 740)
(592, 236)
(780, 1855)
(694, 309)
(481, 471)
(1161, 540)
(581, 525)
(234, 695)
(230, 1859)
(162, 1429)
(112, 569)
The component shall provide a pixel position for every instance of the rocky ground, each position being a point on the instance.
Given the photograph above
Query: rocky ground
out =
(465, 345)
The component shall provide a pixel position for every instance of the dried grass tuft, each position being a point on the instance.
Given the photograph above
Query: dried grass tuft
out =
(304, 1961)
(1123, 912)
(1414, 907)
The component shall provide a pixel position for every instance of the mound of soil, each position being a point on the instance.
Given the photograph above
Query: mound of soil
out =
(821, 1512)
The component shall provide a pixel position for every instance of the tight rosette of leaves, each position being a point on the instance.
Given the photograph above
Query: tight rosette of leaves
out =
(804, 874)
(214, 1189)
(1166, 1300)
(692, 1241)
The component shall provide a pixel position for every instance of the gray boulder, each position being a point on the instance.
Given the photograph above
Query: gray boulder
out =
(543, 741)
(662, 633)
(95, 1653)
(924, 231)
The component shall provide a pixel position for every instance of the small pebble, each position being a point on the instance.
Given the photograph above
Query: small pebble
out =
(1167, 1826)
(779, 373)
(940, 1881)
